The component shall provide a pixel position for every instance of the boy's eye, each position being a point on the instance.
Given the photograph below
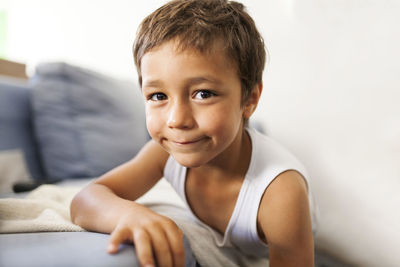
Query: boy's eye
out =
(203, 94)
(157, 97)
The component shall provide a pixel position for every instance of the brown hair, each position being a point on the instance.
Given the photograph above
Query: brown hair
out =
(199, 24)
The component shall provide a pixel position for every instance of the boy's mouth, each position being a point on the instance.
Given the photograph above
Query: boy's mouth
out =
(190, 141)
(187, 142)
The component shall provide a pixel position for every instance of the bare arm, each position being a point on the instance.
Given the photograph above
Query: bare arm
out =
(107, 205)
(284, 217)
(100, 204)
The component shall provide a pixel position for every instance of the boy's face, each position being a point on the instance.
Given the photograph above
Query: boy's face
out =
(193, 103)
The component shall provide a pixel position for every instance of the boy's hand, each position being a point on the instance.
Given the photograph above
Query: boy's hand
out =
(150, 232)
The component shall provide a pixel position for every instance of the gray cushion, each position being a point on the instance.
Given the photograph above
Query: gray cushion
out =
(68, 249)
(86, 123)
(15, 123)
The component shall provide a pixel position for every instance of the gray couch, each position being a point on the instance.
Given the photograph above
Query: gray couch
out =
(69, 124)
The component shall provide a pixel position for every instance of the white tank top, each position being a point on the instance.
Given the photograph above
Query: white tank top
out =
(268, 160)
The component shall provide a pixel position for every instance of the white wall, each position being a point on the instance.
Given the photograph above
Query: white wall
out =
(330, 94)
(95, 34)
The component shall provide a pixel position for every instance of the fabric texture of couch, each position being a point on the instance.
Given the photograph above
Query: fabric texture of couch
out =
(85, 123)
(16, 125)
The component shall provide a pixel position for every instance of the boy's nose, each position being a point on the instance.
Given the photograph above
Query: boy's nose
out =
(180, 116)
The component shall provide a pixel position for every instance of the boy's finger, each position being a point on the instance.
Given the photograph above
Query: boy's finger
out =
(117, 237)
(144, 252)
(161, 247)
(175, 238)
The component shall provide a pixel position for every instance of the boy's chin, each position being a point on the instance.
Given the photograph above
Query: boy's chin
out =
(190, 161)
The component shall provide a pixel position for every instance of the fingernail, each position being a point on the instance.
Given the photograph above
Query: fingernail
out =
(110, 247)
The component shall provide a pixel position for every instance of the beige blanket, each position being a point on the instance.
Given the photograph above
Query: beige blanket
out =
(46, 209)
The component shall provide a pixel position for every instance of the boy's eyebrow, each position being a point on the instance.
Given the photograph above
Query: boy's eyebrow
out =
(151, 83)
(202, 79)
(189, 82)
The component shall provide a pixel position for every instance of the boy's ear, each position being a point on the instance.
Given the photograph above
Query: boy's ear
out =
(251, 103)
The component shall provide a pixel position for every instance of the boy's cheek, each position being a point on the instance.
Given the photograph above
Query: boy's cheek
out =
(155, 125)
(151, 125)
(151, 131)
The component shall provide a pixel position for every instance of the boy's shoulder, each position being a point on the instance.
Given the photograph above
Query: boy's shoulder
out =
(280, 178)
(286, 200)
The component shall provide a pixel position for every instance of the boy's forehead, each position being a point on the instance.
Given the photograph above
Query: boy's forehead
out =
(217, 47)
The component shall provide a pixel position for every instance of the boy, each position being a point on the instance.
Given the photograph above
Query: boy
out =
(200, 65)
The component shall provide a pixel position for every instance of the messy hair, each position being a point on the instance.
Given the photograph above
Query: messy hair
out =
(199, 24)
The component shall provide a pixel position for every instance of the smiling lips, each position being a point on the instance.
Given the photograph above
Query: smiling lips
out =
(191, 142)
